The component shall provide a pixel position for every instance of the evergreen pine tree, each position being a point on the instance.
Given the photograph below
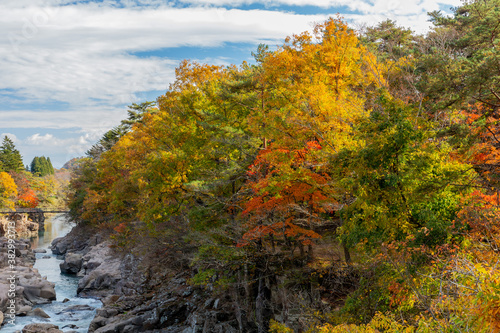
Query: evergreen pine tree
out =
(42, 166)
(35, 165)
(10, 156)
(51, 167)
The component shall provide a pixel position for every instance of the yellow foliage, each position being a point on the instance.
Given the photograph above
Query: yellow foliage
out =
(318, 86)
(276, 327)
(379, 323)
(8, 191)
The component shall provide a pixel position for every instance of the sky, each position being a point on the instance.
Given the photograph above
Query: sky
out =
(69, 69)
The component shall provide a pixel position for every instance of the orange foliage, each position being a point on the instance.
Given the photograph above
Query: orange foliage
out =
(288, 196)
(27, 198)
(485, 153)
(121, 228)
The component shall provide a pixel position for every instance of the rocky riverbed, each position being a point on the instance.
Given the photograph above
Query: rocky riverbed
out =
(141, 292)
(21, 286)
(64, 311)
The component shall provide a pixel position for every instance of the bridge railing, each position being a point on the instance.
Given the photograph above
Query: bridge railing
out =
(35, 210)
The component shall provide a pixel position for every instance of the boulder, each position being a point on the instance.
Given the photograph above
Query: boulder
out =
(38, 291)
(39, 313)
(41, 328)
(24, 310)
(76, 308)
(48, 292)
(72, 263)
(59, 245)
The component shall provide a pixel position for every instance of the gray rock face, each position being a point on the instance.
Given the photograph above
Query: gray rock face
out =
(99, 279)
(72, 263)
(74, 242)
(23, 226)
(29, 287)
(59, 246)
(37, 291)
(140, 295)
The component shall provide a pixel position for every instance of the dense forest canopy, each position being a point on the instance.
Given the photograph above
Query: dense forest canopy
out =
(37, 185)
(357, 168)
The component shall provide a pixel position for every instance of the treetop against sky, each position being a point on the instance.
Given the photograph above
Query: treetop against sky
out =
(70, 68)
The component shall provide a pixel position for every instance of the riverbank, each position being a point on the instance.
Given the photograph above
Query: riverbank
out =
(19, 225)
(21, 285)
(66, 311)
(143, 291)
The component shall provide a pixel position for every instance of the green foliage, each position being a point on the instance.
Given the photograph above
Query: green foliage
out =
(460, 59)
(10, 158)
(81, 183)
(403, 179)
(389, 41)
(135, 114)
(41, 166)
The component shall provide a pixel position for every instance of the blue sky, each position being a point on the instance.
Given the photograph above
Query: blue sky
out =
(70, 68)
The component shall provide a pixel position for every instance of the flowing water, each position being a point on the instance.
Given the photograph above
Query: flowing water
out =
(76, 320)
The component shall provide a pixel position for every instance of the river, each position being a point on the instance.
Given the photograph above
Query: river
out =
(65, 286)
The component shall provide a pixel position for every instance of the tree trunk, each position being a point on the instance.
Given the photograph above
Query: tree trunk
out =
(347, 255)
(262, 307)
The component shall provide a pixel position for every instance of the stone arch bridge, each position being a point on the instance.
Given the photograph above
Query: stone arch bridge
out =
(35, 215)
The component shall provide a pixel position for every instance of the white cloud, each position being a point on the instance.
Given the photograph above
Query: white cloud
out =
(78, 55)
(59, 149)
(10, 136)
(81, 54)
(37, 139)
(88, 120)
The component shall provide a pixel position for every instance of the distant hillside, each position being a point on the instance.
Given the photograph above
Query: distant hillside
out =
(63, 175)
(71, 163)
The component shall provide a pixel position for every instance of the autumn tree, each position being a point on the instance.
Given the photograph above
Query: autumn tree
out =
(285, 213)
(315, 88)
(8, 191)
(135, 115)
(26, 196)
(240, 167)
(84, 187)
(405, 181)
(397, 50)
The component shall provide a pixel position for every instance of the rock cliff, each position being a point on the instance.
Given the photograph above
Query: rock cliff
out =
(140, 292)
(20, 223)
(21, 285)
